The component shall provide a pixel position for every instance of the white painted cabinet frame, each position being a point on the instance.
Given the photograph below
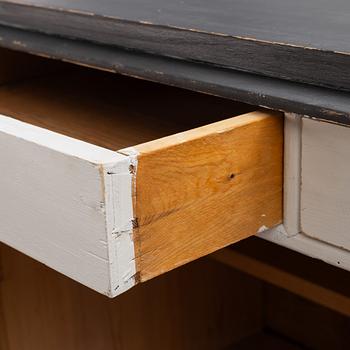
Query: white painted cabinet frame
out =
(290, 234)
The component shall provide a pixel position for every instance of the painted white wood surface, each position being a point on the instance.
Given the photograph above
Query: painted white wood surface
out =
(321, 244)
(61, 204)
(325, 190)
(308, 246)
(291, 181)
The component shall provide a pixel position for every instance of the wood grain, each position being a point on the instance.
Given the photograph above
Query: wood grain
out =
(196, 307)
(3, 328)
(305, 322)
(100, 108)
(272, 38)
(277, 276)
(258, 90)
(201, 190)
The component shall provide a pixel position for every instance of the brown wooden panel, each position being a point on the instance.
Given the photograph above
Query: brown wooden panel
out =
(3, 331)
(196, 307)
(265, 341)
(305, 322)
(276, 275)
(16, 66)
(201, 190)
(110, 110)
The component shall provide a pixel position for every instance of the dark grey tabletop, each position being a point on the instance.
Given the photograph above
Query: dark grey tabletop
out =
(288, 42)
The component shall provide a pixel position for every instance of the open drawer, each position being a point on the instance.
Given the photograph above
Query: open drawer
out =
(112, 180)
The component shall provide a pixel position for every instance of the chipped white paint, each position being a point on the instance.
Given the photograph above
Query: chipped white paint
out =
(61, 204)
(56, 142)
(132, 153)
(119, 218)
(262, 229)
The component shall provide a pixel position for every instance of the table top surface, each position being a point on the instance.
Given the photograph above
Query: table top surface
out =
(301, 41)
(319, 24)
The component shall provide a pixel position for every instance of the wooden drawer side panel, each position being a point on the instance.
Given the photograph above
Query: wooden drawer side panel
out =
(201, 190)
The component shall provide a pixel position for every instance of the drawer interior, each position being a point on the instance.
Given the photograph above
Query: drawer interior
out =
(102, 108)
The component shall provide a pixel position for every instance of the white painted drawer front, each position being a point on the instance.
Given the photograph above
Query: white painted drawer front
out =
(55, 194)
(325, 193)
